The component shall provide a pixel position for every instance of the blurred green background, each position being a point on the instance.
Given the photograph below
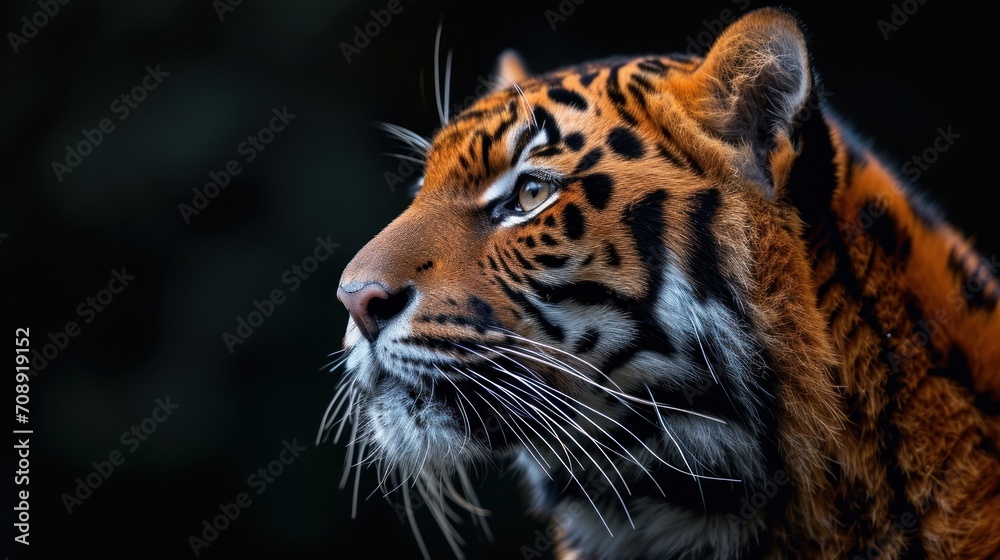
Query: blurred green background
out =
(321, 176)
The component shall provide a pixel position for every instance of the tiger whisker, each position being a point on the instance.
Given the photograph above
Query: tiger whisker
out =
(629, 432)
(350, 451)
(619, 394)
(526, 441)
(419, 144)
(437, 75)
(479, 520)
(679, 450)
(462, 395)
(566, 416)
(408, 506)
(583, 450)
(404, 157)
(357, 480)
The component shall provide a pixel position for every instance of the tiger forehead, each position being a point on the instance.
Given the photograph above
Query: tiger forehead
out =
(491, 135)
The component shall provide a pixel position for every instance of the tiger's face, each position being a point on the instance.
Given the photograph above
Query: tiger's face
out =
(572, 281)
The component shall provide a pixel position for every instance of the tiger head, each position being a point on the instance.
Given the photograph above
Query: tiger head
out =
(600, 272)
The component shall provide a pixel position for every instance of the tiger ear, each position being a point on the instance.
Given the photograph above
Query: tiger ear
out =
(753, 82)
(510, 68)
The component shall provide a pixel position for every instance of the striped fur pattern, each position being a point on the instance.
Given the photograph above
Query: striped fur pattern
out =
(727, 330)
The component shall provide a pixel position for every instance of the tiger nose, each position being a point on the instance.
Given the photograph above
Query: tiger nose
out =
(371, 305)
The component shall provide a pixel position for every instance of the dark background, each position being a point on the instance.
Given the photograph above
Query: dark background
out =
(322, 176)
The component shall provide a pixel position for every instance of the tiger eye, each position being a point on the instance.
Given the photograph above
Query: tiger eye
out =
(532, 194)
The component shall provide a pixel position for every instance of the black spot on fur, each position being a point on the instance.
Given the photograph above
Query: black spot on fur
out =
(483, 313)
(550, 220)
(573, 223)
(547, 239)
(624, 143)
(551, 261)
(568, 98)
(586, 79)
(574, 141)
(588, 161)
(597, 189)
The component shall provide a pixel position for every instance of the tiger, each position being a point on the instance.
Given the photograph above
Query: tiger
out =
(698, 315)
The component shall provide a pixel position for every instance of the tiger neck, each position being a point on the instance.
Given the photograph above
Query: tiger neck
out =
(909, 308)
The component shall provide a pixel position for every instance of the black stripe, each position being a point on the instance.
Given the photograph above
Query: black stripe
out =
(597, 188)
(705, 263)
(573, 224)
(486, 143)
(654, 66)
(618, 98)
(553, 331)
(624, 143)
(551, 261)
(548, 123)
(506, 268)
(575, 141)
(523, 261)
(588, 161)
(568, 98)
(813, 179)
(674, 148)
(643, 83)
